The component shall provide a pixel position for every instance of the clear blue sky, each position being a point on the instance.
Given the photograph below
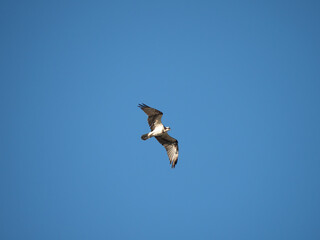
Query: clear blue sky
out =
(239, 85)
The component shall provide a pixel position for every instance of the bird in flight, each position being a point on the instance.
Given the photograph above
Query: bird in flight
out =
(160, 133)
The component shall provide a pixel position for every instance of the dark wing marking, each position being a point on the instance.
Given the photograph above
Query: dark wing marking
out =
(171, 145)
(154, 115)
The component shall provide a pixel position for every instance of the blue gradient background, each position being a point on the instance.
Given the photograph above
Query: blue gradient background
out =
(239, 85)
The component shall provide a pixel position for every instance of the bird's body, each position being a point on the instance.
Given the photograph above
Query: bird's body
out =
(159, 131)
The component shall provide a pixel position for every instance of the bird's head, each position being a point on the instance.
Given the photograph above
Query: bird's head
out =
(167, 129)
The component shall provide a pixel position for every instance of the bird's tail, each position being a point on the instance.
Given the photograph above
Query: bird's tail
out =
(145, 136)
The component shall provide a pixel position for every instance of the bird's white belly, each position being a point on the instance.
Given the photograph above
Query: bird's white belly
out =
(157, 131)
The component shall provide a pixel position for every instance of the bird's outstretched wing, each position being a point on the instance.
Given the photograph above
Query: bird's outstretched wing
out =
(171, 145)
(154, 115)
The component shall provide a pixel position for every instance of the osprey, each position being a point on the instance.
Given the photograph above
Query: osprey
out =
(160, 133)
